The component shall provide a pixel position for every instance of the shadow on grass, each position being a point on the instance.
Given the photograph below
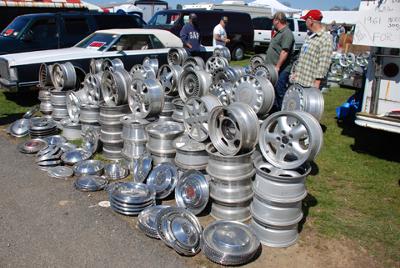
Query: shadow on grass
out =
(26, 98)
(9, 118)
(308, 202)
(378, 143)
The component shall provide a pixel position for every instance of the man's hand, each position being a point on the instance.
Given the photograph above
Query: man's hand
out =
(189, 45)
(227, 40)
(317, 83)
(277, 68)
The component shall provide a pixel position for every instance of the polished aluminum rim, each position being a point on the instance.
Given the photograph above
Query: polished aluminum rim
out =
(114, 87)
(234, 128)
(146, 98)
(177, 55)
(194, 83)
(168, 76)
(289, 139)
(195, 116)
(63, 76)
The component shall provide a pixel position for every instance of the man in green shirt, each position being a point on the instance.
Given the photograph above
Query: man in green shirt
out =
(279, 54)
(315, 54)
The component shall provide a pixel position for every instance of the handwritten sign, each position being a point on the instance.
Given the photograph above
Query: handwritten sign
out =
(379, 25)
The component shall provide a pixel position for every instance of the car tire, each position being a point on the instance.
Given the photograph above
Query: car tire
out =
(238, 52)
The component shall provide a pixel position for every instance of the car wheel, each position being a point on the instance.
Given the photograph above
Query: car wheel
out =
(238, 52)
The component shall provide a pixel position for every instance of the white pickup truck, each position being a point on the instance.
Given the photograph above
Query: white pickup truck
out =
(263, 29)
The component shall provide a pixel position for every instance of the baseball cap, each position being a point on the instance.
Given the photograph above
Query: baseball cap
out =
(314, 14)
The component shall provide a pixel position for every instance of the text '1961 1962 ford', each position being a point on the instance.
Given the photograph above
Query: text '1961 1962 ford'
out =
(21, 70)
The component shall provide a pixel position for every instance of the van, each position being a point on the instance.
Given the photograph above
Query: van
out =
(42, 31)
(239, 29)
(263, 32)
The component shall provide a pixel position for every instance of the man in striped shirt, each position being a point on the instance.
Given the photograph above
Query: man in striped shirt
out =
(315, 55)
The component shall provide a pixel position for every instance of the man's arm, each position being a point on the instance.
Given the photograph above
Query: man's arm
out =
(184, 35)
(282, 58)
(324, 60)
(287, 45)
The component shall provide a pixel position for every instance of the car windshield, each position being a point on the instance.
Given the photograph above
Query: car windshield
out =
(164, 19)
(15, 27)
(97, 41)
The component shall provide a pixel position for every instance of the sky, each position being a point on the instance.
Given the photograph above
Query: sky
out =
(301, 4)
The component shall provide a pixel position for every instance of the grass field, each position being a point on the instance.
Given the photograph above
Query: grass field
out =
(354, 191)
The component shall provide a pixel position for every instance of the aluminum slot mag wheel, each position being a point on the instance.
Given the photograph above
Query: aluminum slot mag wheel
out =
(268, 71)
(114, 87)
(95, 66)
(255, 91)
(169, 77)
(73, 106)
(93, 85)
(63, 76)
(213, 64)
(194, 83)
(146, 98)
(288, 139)
(194, 63)
(309, 100)
(177, 55)
(192, 191)
(223, 91)
(257, 60)
(112, 65)
(234, 128)
(222, 52)
(195, 116)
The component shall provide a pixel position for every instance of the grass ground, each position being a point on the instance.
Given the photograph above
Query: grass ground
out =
(355, 187)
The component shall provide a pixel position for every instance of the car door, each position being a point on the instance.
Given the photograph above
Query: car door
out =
(41, 34)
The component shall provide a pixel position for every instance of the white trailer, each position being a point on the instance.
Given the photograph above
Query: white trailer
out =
(379, 27)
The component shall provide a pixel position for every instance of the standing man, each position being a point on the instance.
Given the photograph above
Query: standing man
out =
(219, 34)
(279, 54)
(315, 54)
(190, 36)
(334, 32)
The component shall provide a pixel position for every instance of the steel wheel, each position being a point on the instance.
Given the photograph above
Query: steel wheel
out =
(195, 116)
(234, 128)
(289, 139)
(146, 98)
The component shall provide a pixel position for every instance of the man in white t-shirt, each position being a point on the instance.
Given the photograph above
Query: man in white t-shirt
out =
(219, 33)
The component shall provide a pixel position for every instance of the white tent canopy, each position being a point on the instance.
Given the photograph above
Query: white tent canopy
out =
(275, 6)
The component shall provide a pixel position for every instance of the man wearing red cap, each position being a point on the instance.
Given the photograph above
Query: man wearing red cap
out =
(315, 55)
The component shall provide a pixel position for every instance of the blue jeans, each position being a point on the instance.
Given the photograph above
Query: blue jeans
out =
(280, 89)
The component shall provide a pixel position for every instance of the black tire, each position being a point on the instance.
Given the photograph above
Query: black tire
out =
(238, 52)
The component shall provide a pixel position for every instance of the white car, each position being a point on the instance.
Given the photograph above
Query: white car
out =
(263, 32)
(130, 45)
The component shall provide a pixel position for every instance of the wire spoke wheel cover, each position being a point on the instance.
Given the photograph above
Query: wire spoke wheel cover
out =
(255, 91)
(234, 128)
(288, 139)
(146, 98)
(168, 76)
(195, 116)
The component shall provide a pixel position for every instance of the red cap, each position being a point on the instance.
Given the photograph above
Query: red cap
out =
(314, 14)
